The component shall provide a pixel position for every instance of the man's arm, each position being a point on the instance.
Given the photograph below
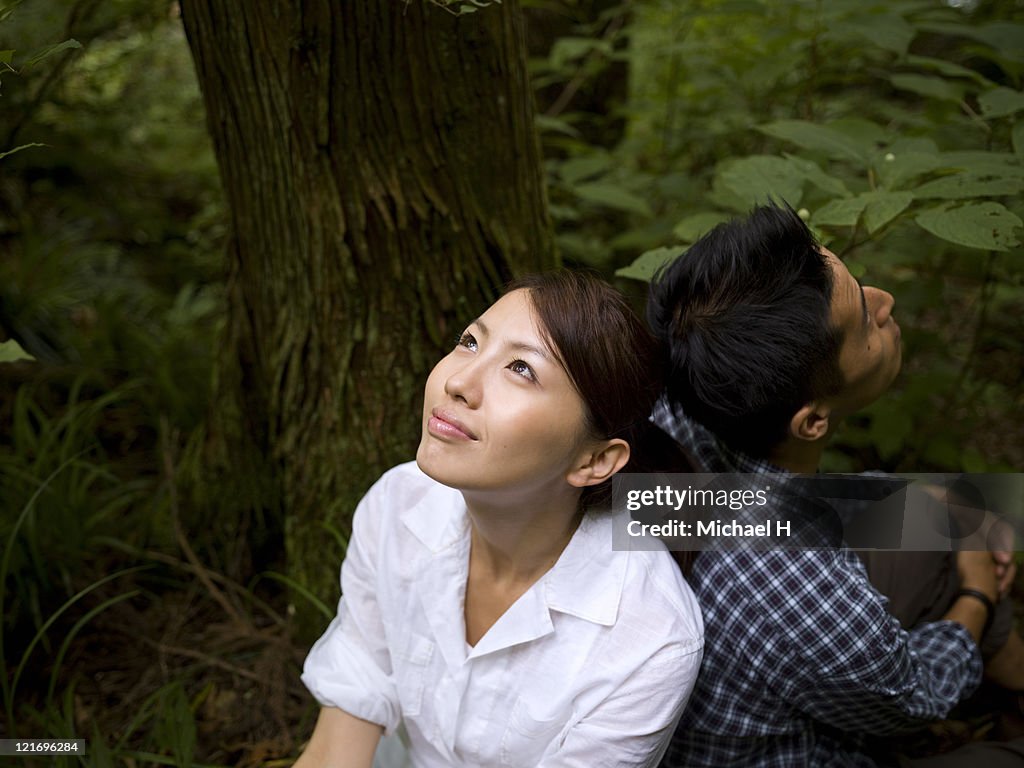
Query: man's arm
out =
(340, 740)
(977, 573)
(848, 662)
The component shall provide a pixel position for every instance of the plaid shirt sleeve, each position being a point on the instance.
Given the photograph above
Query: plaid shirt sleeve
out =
(844, 661)
(802, 661)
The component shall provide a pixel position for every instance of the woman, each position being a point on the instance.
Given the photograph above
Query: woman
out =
(484, 608)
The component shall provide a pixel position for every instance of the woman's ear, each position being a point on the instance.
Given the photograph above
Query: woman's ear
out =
(599, 463)
(811, 422)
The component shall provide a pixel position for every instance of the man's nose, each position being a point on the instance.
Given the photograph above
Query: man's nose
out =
(880, 304)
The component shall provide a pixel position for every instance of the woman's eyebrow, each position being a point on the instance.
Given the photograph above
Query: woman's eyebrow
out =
(517, 346)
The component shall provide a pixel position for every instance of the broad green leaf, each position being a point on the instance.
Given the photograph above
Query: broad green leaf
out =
(949, 69)
(694, 227)
(811, 171)
(1018, 137)
(555, 125)
(10, 351)
(988, 226)
(964, 185)
(612, 196)
(1000, 102)
(977, 161)
(759, 178)
(890, 32)
(49, 50)
(932, 87)
(896, 168)
(839, 213)
(567, 49)
(816, 137)
(6, 9)
(883, 207)
(647, 264)
(6, 57)
(1004, 36)
(18, 149)
(576, 169)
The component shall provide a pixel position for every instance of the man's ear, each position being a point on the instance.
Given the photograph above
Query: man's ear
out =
(811, 422)
(599, 463)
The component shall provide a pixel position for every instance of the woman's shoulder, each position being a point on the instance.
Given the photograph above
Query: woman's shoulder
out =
(655, 585)
(399, 490)
(652, 592)
(403, 485)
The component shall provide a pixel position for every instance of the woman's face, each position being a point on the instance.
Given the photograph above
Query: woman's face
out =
(499, 411)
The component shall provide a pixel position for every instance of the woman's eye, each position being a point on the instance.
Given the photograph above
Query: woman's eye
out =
(468, 341)
(521, 368)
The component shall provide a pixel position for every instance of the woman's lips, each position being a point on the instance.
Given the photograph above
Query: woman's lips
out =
(444, 424)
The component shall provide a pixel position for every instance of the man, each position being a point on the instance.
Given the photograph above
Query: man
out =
(772, 342)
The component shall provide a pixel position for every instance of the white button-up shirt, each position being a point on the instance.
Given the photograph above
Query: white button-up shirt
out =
(590, 667)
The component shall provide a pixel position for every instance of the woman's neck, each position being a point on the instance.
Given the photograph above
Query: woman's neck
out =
(511, 548)
(519, 542)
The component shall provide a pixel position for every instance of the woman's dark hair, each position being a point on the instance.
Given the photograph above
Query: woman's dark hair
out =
(611, 358)
(746, 317)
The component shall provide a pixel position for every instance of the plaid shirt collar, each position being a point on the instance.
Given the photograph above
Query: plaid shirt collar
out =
(705, 451)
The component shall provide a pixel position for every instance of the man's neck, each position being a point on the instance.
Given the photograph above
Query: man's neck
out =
(798, 456)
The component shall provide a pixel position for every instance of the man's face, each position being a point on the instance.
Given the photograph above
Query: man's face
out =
(870, 356)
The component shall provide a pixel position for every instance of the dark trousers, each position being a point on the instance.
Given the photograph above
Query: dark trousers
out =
(921, 587)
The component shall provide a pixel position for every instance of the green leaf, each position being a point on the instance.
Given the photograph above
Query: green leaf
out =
(1018, 137)
(988, 226)
(1000, 102)
(978, 161)
(757, 178)
(8, 8)
(11, 351)
(816, 137)
(1004, 37)
(839, 213)
(576, 169)
(693, 227)
(612, 196)
(931, 87)
(648, 263)
(883, 207)
(948, 68)
(49, 50)
(890, 32)
(6, 57)
(898, 167)
(964, 185)
(567, 49)
(18, 149)
(813, 173)
(554, 125)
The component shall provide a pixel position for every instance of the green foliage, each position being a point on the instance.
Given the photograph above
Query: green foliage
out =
(895, 128)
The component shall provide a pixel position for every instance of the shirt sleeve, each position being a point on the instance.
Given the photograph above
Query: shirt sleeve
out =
(849, 663)
(349, 667)
(633, 726)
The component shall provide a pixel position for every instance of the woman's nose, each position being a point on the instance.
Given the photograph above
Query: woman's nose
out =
(464, 382)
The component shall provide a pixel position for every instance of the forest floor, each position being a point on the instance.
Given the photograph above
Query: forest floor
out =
(239, 677)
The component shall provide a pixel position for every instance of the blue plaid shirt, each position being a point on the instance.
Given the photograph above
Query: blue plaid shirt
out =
(802, 662)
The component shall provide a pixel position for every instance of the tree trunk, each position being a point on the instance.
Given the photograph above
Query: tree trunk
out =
(383, 178)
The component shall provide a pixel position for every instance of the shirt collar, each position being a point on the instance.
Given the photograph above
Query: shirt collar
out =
(704, 450)
(586, 581)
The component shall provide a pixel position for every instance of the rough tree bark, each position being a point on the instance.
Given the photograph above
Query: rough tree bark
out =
(383, 178)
